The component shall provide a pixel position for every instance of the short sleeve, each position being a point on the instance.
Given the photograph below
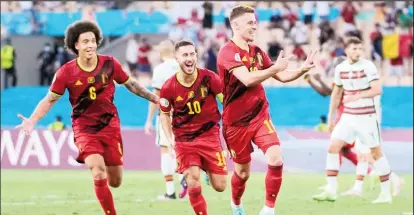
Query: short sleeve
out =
(120, 76)
(371, 72)
(58, 85)
(337, 77)
(216, 85)
(267, 62)
(165, 99)
(229, 59)
(157, 81)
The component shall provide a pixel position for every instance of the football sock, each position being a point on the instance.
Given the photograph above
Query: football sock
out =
(384, 170)
(332, 169)
(273, 181)
(361, 172)
(197, 200)
(166, 164)
(238, 185)
(104, 195)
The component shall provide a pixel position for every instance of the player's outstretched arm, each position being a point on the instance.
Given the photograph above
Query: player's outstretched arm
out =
(42, 108)
(334, 104)
(289, 75)
(250, 79)
(318, 85)
(165, 119)
(138, 89)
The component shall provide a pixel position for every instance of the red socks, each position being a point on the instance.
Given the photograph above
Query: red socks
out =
(238, 185)
(273, 182)
(351, 156)
(197, 201)
(104, 195)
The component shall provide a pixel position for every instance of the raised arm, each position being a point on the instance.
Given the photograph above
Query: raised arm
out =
(289, 75)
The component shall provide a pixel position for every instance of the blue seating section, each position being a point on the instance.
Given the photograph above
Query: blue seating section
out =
(114, 22)
(289, 106)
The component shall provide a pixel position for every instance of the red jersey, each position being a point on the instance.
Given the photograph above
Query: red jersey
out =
(195, 113)
(91, 94)
(242, 104)
(144, 49)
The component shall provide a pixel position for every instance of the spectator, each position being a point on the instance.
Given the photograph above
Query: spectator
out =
(299, 53)
(274, 50)
(46, 61)
(307, 9)
(322, 126)
(208, 15)
(405, 22)
(339, 48)
(61, 57)
(376, 43)
(132, 54)
(326, 32)
(299, 33)
(58, 125)
(322, 8)
(396, 67)
(144, 65)
(210, 56)
(348, 14)
(290, 17)
(8, 59)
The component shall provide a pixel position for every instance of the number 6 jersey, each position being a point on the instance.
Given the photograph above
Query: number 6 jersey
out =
(194, 108)
(91, 94)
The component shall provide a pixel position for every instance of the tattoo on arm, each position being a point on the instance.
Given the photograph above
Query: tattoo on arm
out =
(138, 89)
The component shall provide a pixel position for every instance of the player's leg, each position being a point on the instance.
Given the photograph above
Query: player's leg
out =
(238, 140)
(342, 134)
(347, 153)
(267, 140)
(369, 134)
(168, 162)
(214, 163)
(91, 152)
(197, 201)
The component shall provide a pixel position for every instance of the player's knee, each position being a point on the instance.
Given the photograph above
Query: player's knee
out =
(98, 171)
(221, 185)
(335, 147)
(193, 180)
(116, 182)
(244, 174)
(275, 160)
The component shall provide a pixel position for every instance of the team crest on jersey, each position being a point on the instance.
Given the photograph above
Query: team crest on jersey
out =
(259, 59)
(237, 57)
(91, 80)
(164, 102)
(191, 94)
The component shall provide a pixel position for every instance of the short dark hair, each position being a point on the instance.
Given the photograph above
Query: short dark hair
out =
(352, 40)
(239, 11)
(182, 43)
(323, 118)
(78, 28)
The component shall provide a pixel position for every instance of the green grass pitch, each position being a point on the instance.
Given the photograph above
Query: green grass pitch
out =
(49, 192)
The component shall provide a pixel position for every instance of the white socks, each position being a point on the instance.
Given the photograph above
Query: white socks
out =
(167, 169)
(332, 163)
(383, 168)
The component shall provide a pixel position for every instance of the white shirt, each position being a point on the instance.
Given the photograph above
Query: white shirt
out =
(163, 72)
(132, 51)
(356, 77)
(322, 8)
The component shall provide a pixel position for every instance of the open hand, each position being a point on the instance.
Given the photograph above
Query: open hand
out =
(309, 62)
(26, 126)
(282, 63)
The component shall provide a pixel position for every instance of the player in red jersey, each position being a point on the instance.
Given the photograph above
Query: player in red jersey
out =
(243, 67)
(191, 95)
(89, 80)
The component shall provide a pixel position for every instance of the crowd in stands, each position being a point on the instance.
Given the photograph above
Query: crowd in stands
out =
(385, 27)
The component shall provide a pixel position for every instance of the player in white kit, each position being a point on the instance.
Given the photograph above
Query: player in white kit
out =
(358, 80)
(161, 73)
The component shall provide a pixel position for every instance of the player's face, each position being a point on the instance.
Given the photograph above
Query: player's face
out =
(354, 52)
(245, 26)
(186, 56)
(86, 45)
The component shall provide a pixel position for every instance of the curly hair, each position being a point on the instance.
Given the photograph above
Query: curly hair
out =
(78, 28)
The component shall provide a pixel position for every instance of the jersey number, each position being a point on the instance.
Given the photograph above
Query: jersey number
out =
(269, 126)
(253, 69)
(221, 159)
(195, 108)
(92, 93)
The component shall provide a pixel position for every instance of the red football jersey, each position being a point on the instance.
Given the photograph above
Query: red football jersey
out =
(195, 112)
(91, 94)
(242, 104)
